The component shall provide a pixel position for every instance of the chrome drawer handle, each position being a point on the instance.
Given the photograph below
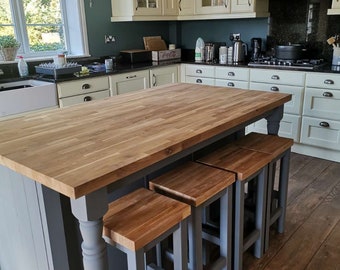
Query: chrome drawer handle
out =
(87, 98)
(199, 71)
(275, 89)
(328, 82)
(327, 94)
(85, 86)
(131, 77)
(199, 81)
(231, 74)
(275, 77)
(324, 124)
(231, 84)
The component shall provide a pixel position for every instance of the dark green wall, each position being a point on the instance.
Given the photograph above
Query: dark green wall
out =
(130, 34)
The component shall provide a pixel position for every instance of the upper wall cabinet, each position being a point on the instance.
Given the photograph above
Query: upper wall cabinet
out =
(335, 10)
(144, 10)
(149, 10)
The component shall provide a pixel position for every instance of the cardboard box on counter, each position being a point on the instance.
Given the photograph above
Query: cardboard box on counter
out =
(166, 55)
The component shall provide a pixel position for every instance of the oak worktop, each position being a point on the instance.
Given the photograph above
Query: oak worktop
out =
(82, 148)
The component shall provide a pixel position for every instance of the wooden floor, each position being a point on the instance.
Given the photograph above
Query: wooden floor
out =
(312, 233)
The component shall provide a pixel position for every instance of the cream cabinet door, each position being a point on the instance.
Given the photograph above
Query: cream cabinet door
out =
(186, 7)
(128, 82)
(321, 133)
(242, 6)
(68, 101)
(294, 105)
(212, 6)
(295, 78)
(289, 127)
(147, 7)
(170, 7)
(336, 4)
(200, 80)
(163, 75)
(200, 71)
(232, 84)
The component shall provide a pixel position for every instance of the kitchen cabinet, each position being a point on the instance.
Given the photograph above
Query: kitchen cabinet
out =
(239, 6)
(335, 10)
(212, 6)
(200, 74)
(291, 82)
(186, 7)
(321, 116)
(232, 77)
(163, 75)
(130, 10)
(128, 82)
(84, 90)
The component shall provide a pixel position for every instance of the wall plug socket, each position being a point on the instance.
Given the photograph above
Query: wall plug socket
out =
(110, 39)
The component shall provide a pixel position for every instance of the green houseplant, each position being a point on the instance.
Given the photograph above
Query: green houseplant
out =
(8, 47)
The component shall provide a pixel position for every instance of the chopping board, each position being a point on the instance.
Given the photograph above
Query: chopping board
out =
(154, 43)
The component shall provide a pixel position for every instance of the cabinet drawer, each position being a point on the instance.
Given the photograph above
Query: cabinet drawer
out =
(322, 103)
(323, 133)
(289, 127)
(68, 101)
(295, 78)
(294, 105)
(200, 70)
(83, 86)
(230, 73)
(200, 80)
(323, 80)
(232, 84)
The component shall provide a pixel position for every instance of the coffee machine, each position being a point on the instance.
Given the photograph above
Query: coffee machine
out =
(256, 47)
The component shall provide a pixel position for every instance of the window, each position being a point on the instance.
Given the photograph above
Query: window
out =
(42, 26)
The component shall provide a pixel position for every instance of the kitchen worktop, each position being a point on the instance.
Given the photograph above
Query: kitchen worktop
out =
(85, 147)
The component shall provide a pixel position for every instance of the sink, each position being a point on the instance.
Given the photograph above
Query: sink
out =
(26, 95)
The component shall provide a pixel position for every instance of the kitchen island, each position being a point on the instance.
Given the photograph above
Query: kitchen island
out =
(83, 150)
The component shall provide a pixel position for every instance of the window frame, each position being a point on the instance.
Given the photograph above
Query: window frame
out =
(76, 40)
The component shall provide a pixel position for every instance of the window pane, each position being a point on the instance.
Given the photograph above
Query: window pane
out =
(46, 38)
(6, 22)
(42, 11)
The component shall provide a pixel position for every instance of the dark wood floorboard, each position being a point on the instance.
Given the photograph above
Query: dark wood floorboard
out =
(312, 234)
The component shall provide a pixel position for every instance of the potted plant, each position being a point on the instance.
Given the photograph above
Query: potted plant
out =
(8, 47)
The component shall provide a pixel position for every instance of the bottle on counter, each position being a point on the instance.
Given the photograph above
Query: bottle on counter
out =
(199, 50)
(22, 67)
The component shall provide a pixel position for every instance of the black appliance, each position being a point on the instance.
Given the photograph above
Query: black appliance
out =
(256, 47)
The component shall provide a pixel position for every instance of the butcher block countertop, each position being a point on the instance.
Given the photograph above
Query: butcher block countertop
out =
(83, 148)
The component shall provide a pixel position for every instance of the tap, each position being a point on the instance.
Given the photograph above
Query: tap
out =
(1, 72)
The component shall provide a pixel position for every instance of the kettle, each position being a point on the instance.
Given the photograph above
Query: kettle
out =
(240, 50)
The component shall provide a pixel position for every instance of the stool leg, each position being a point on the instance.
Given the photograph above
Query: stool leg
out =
(136, 259)
(283, 189)
(180, 237)
(195, 239)
(270, 184)
(260, 211)
(239, 220)
(226, 227)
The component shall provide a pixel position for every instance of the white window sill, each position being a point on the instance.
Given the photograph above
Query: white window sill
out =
(42, 58)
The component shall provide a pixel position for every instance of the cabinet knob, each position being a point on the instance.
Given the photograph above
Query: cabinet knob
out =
(231, 74)
(226, 3)
(87, 98)
(249, 2)
(275, 77)
(324, 124)
(85, 86)
(179, 5)
(231, 84)
(275, 89)
(199, 71)
(328, 82)
(198, 81)
(154, 83)
(327, 94)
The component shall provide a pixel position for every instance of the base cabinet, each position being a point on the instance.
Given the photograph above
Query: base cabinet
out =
(129, 82)
(84, 90)
(163, 75)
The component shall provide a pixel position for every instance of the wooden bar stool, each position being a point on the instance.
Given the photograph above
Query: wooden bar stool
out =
(199, 186)
(138, 221)
(279, 148)
(249, 166)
